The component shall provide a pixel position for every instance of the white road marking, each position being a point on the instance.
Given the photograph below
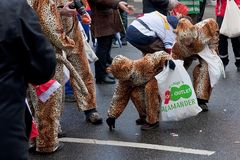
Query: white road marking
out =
(139, 145)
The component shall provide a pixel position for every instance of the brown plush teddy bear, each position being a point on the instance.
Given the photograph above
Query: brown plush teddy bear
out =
(136, 81)
(190, 40)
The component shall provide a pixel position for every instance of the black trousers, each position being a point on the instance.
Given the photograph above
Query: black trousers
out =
(15, 127)
(202, 9)
(124, 17)
(223, 46)
(103, 49)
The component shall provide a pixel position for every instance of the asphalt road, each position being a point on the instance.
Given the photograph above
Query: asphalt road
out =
(213, 135)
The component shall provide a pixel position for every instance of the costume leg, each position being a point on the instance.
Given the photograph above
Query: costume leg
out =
(47, 117)
(120, 99)
(201, 81)
(81, 65)
(152, 100)
(78, 59)
(138, 99)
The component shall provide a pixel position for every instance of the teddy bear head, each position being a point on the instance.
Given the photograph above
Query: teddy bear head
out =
(208, 30)
(121, 67)
(189, 39)
(186, 32)
(139, 70)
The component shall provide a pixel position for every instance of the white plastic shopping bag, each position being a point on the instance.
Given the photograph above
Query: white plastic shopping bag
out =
(176, 91)
(231, 21)
(91, 56)
(215, 65)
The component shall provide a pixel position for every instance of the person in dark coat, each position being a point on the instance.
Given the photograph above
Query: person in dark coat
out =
(26, 56)
(156, 5)
(105, 23)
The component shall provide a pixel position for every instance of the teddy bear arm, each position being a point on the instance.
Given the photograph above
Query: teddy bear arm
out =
(138, 99)
(177, 52)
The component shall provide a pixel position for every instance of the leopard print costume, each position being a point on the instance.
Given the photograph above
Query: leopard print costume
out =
(137, 81)
(190, 40)
(48, 113)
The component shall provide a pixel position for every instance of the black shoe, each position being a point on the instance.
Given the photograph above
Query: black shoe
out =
(105, 80)
(94, 118)
(62, 134)
(141, 121)
(109, 60)
(238, 69)
(124, 41)
(110, 76)
(32, 149)
(204, 107)
(148, 126)
(35, 152)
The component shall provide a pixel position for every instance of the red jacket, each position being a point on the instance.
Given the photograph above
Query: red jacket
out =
(221, 7)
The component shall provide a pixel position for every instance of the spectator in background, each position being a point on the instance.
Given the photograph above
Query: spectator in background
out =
(85, 26)
(105, 23)
(202, 9)
(223, 40)
(194, 9)
(152, 32)
(124, 16)
(26, 57)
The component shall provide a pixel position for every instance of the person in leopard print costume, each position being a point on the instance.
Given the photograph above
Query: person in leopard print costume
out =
(60, 25)
(190, 40)
(136, 81)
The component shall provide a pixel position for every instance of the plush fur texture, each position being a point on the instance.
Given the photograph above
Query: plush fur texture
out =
(190, 40)
(64, 34)
(136, 80)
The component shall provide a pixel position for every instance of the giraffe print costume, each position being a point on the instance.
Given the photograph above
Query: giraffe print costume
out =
(64, 34)
(190, 40)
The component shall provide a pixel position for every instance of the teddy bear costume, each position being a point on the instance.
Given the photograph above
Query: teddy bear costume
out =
(190, 40)
(136, 81)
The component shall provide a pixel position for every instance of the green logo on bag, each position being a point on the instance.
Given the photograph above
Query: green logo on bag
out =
(172, 97)
(183, 91)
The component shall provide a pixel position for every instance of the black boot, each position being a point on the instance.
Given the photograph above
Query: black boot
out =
(105, 80)
(92, 116)
(203, 104)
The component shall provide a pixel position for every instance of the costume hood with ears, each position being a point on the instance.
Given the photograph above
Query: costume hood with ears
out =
(121, 67)
(138, 70)
(186, 32)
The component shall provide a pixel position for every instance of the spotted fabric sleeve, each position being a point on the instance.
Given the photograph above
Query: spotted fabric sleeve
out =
(51, 23)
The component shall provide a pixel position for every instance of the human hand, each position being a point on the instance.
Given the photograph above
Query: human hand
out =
(86, 19)
(125, 7)
(111, 123)
(172, 4)
(68, 12)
